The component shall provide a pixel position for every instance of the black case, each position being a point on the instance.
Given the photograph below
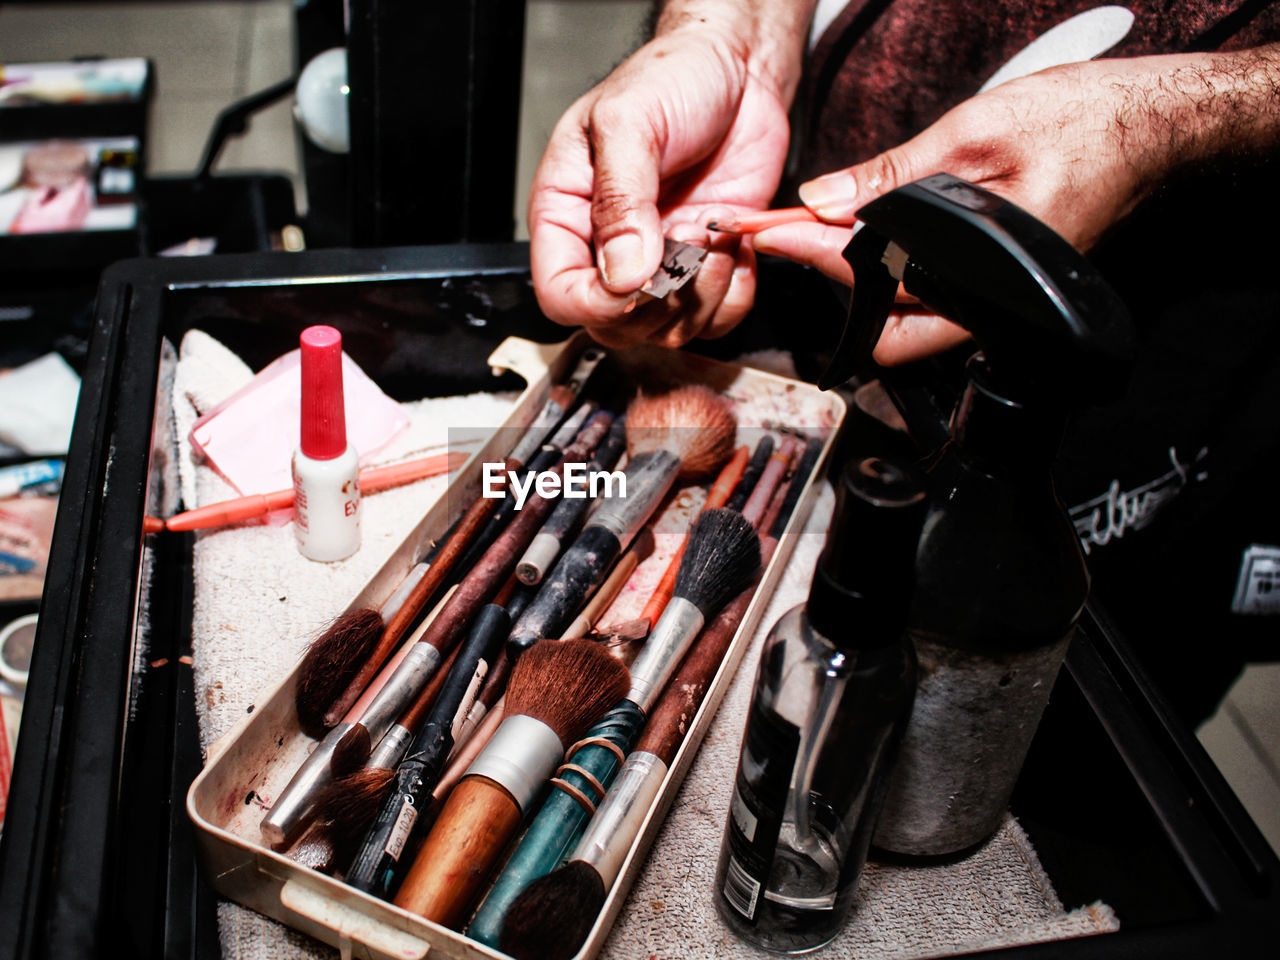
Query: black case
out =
(97, 856)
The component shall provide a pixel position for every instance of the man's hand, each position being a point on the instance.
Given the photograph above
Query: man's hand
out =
(690, 126)
(1078, 146)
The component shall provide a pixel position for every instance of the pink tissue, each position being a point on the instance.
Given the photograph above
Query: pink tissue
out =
(250, 437)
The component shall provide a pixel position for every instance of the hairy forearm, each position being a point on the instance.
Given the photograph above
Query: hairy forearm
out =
(768, 35)
(1188, 110)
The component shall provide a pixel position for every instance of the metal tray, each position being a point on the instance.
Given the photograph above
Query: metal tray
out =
(263, 750)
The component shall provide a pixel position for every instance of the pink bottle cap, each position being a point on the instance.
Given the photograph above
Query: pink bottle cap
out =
(324, 423)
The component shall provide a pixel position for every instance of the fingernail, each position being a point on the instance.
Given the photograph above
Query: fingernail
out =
(622, 259)
(831, 196)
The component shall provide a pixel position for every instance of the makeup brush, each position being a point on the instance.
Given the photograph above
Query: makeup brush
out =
(334, 658)
(717, 496)
(635, 554)
(544, 460)
(552, 917)
(294, 807)
(686, 432)
(759, 457)
(347, 806)
(473, 591)
(722, 559)
(774, 472)
(564, 519)
(454, 546)
(763, 219)
(373, 867)
(557, 690)
(372, 479)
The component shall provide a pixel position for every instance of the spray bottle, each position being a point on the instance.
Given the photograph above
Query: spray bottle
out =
(1000, 577)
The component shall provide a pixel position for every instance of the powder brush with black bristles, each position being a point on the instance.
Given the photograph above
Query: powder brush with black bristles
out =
(688, 433)
(557, 689)
(552, 916)
(721, 560)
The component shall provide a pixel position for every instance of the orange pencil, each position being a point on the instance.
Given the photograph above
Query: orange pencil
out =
(763, 219)
(259, 504)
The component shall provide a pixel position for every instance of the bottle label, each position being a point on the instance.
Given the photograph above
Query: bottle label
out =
(759, 801)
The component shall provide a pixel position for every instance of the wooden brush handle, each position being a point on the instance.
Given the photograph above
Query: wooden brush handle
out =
(457, 856)
(717, 496)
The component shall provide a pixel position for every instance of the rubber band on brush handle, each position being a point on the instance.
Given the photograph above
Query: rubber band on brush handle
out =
(561, 819)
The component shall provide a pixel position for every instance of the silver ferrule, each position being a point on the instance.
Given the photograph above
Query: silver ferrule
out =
(391, 748)
(521, 756)
(649, 477)
(621, 814)
(418, 666)
(538, 558)
(668, 642)
(287, 817)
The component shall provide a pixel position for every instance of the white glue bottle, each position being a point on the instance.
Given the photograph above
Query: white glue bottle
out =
(326, 471)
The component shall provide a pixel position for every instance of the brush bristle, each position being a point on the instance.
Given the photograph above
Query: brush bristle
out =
(551, 917)
(351, 752)
(567, 684)
(693, 422)
(720, 561)
(349, 805)
(331, 663)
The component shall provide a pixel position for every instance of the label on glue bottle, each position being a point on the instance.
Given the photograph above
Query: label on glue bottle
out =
(326, 505)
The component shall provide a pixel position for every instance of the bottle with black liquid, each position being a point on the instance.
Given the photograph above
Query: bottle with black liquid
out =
(831, 698)
(1000, 576)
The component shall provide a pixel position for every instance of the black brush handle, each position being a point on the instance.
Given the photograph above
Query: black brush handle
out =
(812, 449)
(751, 475)
(578, 572)
(376, 861)
(571, 509)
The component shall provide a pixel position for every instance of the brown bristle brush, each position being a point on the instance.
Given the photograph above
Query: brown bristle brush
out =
(557, 689)
(688, 433)
(693, 422)
(331, 662)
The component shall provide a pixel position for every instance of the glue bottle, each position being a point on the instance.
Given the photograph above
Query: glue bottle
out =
(326, 470)
(831, 699)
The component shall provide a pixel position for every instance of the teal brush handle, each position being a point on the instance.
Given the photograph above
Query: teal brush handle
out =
(561, 820)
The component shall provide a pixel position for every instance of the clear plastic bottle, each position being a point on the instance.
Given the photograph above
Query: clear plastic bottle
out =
(832, 695)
